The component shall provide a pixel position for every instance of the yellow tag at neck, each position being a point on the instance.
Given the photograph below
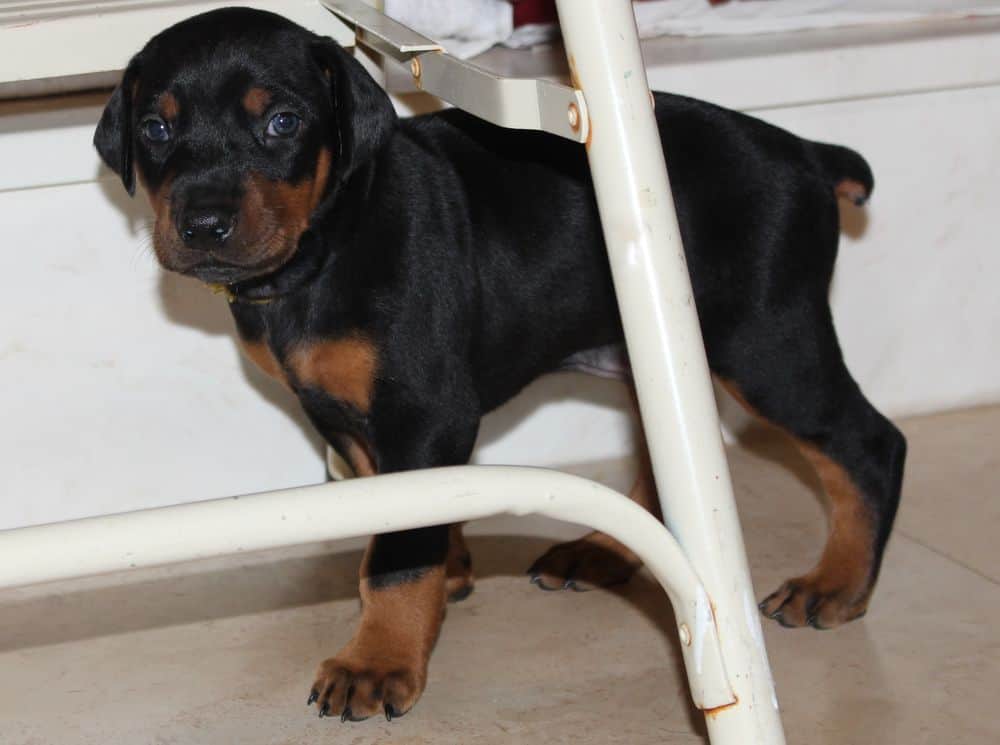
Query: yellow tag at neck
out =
(219, 289)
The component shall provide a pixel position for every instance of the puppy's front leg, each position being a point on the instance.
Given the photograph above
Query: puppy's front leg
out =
(384, 667)
(404, 586)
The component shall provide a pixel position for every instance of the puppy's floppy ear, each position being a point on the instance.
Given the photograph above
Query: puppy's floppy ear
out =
(113, 137)
(364, 115)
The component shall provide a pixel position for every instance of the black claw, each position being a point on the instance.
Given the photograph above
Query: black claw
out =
(313, 696)
(813, 621)
(324, 710)
(390, 712)
(776, 613)
(537, 581)
(346, 715)
(764, 603)
(812, 608)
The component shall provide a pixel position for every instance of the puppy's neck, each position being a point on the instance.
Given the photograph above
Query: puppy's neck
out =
(298, 272)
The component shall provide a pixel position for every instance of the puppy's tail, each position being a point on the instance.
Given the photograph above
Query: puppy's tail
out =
(848, 173)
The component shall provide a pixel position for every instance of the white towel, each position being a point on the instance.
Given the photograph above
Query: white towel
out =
(464, 28)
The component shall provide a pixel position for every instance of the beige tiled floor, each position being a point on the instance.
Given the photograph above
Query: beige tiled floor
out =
(223, 651)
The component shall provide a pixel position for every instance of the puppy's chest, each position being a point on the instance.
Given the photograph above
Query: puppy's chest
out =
(342, 367)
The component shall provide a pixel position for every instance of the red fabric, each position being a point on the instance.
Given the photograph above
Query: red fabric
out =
(544, 11)
(534, 11)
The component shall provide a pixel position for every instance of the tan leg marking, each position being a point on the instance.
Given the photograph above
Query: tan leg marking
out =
(359, 458)
(384, 667)
(258, 353)
(838, 588)
(344, 368)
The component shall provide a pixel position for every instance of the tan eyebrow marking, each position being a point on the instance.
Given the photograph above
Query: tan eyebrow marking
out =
(256, 101)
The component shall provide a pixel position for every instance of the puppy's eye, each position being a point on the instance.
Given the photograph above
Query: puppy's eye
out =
(155, 129)
(284, 124)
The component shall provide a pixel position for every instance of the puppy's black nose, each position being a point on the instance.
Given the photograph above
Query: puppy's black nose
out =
(206, 228)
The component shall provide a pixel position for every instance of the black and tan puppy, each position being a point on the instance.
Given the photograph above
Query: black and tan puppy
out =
(403, 277)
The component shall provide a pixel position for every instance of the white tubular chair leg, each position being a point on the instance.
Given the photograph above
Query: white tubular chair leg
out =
(666, 350)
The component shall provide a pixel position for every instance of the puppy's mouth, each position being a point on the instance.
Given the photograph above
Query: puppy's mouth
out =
(219, 270)
(229, 265)
(221, 274)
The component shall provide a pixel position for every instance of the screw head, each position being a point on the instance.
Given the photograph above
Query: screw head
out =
(574, 116)
(415, 67)
(685, 634)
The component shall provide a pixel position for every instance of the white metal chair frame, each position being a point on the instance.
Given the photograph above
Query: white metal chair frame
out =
(700, 561)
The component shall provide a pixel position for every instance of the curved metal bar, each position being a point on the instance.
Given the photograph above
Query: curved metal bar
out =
(377, 504)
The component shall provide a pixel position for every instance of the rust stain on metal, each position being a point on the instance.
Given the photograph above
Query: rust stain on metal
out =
(590, 131)
(716, 710)
(573, 77)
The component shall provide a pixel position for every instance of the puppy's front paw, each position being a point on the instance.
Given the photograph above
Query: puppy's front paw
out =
(596, 560)
(360, 682)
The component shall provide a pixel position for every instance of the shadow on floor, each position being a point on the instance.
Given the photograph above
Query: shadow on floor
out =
(199, 594)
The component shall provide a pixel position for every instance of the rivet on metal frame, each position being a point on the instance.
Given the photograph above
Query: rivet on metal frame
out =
(685, 634)
(574, 117)
(415, 70)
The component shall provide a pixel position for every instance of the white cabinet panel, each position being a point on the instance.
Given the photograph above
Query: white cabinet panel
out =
(915, 295)
(121, 386)
(42, 39)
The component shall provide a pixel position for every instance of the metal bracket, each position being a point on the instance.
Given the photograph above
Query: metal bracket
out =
(516, 103)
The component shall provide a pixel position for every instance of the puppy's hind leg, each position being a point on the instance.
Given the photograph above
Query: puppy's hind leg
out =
(803, 386)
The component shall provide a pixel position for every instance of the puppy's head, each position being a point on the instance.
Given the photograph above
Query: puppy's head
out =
(238, 123)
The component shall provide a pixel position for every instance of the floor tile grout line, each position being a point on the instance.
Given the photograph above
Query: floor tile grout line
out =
(949, 557)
